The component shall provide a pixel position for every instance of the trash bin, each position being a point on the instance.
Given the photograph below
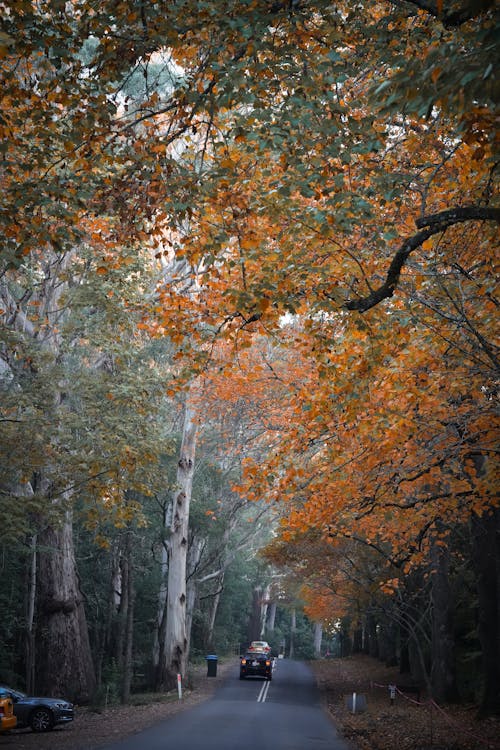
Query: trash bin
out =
(211, 665)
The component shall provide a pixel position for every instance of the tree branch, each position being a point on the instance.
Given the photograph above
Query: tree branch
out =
(453, 17)
(428, 225)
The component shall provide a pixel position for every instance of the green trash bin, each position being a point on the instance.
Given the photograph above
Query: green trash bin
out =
(211, 665)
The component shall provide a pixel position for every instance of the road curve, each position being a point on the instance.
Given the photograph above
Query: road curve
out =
(250, 714)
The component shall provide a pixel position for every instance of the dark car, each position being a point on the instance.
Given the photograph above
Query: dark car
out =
(257, 663)
(41, 714)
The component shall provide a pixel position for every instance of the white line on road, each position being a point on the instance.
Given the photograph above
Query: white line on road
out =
(263, 693)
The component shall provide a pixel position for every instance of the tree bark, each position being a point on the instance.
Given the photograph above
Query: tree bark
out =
(194, 555)
(161, 618)
(210, 644)
(176, 639)
(443, 677)
(318, 636)
(30, 618)
(122, 612)
(372, 644)
(387, 637)
(271, 617)
(64, 666)
(127, 665)
(263, 610)
(486, 561)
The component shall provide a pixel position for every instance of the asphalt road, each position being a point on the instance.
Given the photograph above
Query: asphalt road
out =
(250, 714)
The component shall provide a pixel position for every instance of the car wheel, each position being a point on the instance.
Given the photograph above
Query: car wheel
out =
(41, 720)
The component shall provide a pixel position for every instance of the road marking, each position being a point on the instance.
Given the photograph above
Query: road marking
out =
(263, 692)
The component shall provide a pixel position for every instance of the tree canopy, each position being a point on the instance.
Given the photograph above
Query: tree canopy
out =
(293, 202)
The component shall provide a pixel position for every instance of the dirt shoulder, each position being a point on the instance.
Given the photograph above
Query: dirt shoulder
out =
(412, 722)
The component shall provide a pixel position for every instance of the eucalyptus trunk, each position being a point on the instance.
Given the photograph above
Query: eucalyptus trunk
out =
(271, 617)
(64, 662)
(263, 610)
(318, 637)
(176, 637)
(214, 607)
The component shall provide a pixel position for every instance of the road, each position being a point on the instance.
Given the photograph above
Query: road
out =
(250, 714)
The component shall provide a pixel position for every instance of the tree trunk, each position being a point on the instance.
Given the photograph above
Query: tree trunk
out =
(213, 613)
(318, 636)
(121, 626)
(263, 611)
(254, 625)
(271, 617)
(160, 631)
(293, 630)
(176, 640)
(486, 560)
(64, 665)
(387, 636)
(30, 618)
(194, 555)
(127, 665)
(357, 639)
(444, 687)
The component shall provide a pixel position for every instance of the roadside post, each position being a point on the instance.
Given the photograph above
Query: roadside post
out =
(179, 686)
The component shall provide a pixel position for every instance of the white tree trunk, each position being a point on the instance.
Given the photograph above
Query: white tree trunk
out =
(318, 636)
(263, 611)
(176, 639)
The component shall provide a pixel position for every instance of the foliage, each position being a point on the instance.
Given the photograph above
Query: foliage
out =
(296, 201)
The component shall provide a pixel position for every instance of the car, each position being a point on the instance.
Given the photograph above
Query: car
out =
(41, 714)
(7, 718)
(260, 646)
(256, 663)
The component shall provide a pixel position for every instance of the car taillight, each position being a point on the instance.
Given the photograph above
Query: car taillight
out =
(268, 663)
(243, 661)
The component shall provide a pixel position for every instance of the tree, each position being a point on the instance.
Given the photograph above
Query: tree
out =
(328, 172)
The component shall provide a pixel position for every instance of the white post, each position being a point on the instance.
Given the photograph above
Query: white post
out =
(179, 686)
(354, 703)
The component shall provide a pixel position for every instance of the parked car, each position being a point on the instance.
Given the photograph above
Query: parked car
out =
(41, 714)
(260, 646)
(7, 718)
(256, 663)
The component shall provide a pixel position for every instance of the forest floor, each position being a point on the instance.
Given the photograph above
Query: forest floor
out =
(408, 724)
(411, 722)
